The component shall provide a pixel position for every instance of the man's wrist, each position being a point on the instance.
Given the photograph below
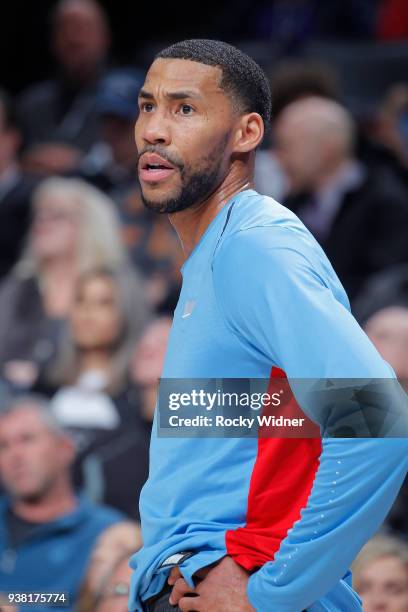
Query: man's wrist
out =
(251, 591)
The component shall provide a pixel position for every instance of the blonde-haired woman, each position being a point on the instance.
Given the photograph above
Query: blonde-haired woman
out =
(74, 228)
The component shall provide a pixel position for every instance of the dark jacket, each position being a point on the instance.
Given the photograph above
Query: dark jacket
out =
(369, 231)
(26, 333)
(55, 556)
(107, 459)
(15, 207)
(60, 112)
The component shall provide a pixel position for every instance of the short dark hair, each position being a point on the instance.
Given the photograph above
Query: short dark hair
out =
(242, 78)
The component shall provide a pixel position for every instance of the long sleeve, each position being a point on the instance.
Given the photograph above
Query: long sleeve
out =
(277, 290)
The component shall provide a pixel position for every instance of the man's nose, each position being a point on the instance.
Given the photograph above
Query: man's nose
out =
(156, 129)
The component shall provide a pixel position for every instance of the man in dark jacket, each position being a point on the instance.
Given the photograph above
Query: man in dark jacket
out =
(360, 217)
(46, 532)
(58, 117)
(15, 189)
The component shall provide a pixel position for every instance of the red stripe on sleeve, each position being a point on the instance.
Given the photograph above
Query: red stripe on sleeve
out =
(281, 482)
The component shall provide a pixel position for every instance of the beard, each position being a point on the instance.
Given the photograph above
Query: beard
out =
(196, 186)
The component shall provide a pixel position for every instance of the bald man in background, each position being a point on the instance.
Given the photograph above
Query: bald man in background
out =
(360, 217)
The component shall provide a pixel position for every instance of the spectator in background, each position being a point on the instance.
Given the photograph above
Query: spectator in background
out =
(292, 80)
(147, 362)
(113, 548)
(58, 117)
(391, 125)
(114, 597)
(388, 288)
(291, 24)
(111, 165)
(74, 228)
(387, 328)
(379, 141)
(380, 575)
(111, 162)
(95, 400)
(47, 533)
(358, 216)
(15, 188)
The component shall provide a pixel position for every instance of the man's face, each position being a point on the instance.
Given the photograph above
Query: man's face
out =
(383, 586)
(80, 39)
(31, 455)
(300, 152)
(183, 134)
(388, 331)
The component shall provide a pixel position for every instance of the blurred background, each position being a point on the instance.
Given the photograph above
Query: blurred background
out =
(89, 279)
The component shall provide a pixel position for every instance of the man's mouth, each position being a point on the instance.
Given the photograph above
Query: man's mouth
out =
(154, 168)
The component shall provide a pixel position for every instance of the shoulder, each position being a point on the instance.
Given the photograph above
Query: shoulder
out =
(252, 209)
(383, 187)
(266, 241)
(260, 229)
(13, 286)
(100, 515)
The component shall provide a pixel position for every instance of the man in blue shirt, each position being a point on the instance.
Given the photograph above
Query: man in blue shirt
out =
(47, 533)
(247, 524)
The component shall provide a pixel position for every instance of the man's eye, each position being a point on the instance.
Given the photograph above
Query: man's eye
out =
(186, 109)
(147, 107)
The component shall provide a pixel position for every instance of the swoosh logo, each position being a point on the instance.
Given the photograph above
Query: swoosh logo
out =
(188, 308)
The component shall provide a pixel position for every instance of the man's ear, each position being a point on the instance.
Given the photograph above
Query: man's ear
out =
(67, 450)
(249, 133)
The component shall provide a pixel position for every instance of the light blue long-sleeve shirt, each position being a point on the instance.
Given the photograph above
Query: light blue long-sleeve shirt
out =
(258, 292)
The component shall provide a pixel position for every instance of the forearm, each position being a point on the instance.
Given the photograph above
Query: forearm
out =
(355, 486)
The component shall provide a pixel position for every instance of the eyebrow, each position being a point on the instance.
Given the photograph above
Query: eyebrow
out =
(174, 95)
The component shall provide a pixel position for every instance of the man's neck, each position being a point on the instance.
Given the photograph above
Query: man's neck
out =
(55, 503)
(190, 224)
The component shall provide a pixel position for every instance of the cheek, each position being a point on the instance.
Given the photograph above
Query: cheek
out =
(108, 326)
(78, 324)
(61, 238)
(41, 457)
(68, 235)
(304, 160)
(293, 158)
(202, 141)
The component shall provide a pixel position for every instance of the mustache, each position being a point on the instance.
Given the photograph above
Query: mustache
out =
(174, 160)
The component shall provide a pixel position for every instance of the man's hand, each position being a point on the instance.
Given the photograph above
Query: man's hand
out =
(222, 589)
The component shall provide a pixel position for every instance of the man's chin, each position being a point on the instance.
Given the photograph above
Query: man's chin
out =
(162, 204)
(157, 206)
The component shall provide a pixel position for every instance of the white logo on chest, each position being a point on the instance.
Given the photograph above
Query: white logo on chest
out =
(188, 308)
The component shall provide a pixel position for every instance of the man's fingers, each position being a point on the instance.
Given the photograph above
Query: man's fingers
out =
(180, 588)
(190, 604)
(174, 575)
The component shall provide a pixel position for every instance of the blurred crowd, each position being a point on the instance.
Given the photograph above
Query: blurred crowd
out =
(89, 280)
